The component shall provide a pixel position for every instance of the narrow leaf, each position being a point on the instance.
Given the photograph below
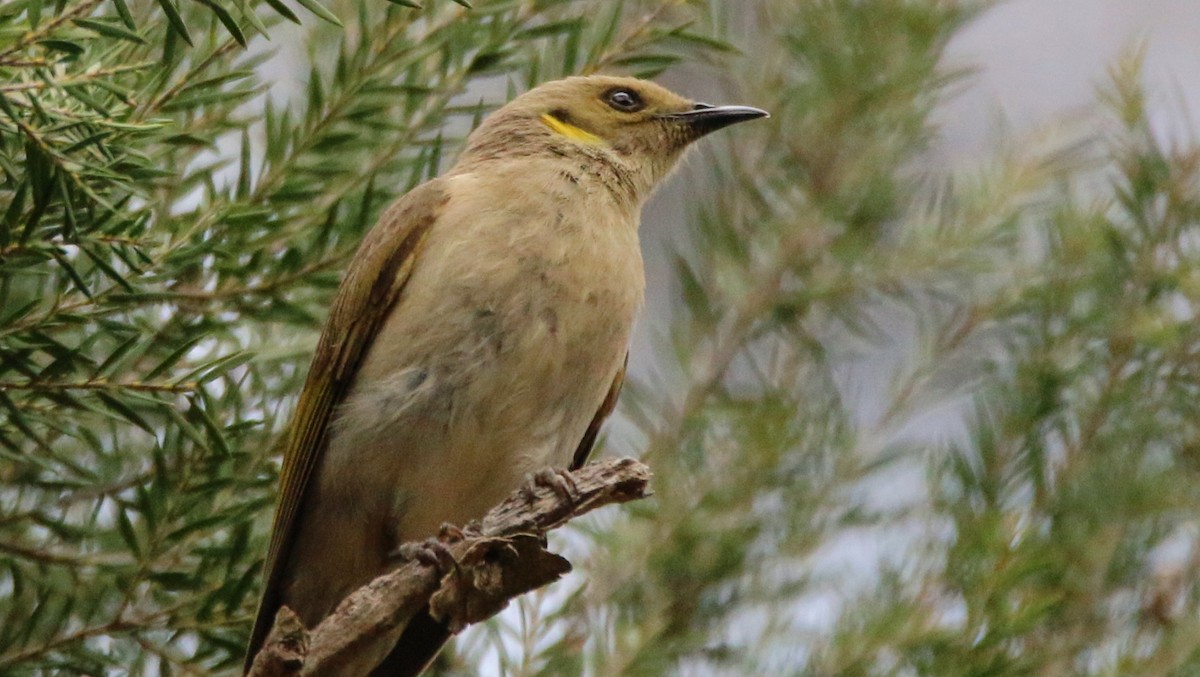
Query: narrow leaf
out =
(110, 30)
(124, 13)
(175, 20)
(283, 11)
(228, 22)
(319, 9)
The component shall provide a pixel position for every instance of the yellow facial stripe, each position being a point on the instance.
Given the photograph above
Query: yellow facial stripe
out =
(569, 130)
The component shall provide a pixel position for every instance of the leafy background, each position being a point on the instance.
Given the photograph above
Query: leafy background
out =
(909, 414)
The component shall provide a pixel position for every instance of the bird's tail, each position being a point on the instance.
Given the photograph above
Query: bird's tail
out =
(419, 644)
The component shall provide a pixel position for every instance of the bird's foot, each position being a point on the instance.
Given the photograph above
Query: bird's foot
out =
(430, 552)
(555, 479)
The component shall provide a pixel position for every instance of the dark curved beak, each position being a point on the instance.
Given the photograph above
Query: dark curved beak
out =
(704, 118)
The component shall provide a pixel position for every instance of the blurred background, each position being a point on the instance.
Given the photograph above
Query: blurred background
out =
(916, 373)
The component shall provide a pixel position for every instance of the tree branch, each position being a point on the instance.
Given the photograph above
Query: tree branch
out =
(491, 562)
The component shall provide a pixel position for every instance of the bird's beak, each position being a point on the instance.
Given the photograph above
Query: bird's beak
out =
(703, 118)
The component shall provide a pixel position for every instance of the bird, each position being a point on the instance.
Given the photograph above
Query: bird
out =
(480, 334)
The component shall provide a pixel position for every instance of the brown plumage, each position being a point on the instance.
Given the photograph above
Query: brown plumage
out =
(480, 334)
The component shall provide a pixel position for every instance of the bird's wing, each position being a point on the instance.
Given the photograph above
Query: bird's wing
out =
(593, 430)
(373, 284)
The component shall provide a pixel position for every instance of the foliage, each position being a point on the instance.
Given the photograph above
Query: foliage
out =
(946, 413)
(172, 230)
(906, 419)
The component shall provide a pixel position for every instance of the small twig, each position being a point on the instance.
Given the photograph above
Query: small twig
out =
(27, 63)
(267, 287)
(79, 79)
(100, 385)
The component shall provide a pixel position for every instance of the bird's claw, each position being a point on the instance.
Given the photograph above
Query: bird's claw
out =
(555, 479)
(430, 552)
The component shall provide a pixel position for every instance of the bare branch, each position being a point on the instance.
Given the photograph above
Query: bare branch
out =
(495, 560)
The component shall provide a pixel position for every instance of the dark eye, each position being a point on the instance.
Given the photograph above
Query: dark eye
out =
(625, 100)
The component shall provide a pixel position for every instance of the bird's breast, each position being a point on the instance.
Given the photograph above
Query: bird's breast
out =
(502, 348)
(554, 291)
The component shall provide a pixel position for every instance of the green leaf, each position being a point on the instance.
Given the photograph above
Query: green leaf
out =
(217, 368)
(689, 38)
(110, 30)
(124, 411)
(128, 533)
(126, 16)
(316, 93)
(34, 7)
(173, 358)
(550, 29)
(175, 20)
(283, 10)
(251, 17)
(216, 436)
(93, 139)
(176, 580)
(648, 65)
(64, 46)
(243, 182)
(490, 60)
(227, 21)
(71, 272)
(109, 272)
(12, 214)
(319, 9)
(608, 32)
(117, 355)
(189, 431)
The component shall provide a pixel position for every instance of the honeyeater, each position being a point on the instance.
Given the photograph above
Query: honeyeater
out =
(480, 334)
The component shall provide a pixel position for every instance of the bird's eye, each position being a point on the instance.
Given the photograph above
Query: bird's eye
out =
(624, 100)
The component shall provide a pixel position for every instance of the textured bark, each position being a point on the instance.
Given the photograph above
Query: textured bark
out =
(463, 578)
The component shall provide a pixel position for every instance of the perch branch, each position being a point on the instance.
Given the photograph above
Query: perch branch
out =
(494, 560)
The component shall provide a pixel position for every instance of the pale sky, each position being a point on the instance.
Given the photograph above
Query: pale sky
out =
(1041, 60)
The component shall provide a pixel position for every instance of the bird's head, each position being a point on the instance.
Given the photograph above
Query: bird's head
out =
(634, 127)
